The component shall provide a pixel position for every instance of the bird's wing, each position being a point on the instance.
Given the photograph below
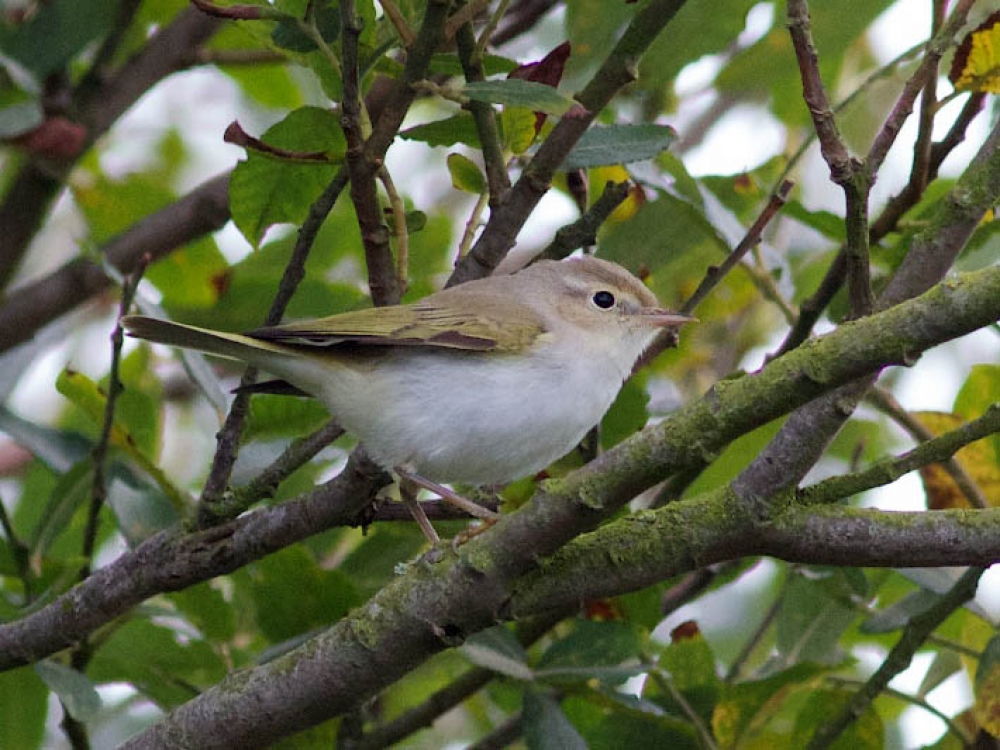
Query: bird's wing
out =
(430, 322)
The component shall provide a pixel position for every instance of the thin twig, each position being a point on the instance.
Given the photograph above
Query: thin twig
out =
(484, 37)
(666, 684)
(899, 658)
(76, 731)
(19, 552)
(617, 71)
(472, 225)
(520, 17)
(403, 30)
(400, 232)
(99, 454)
(228, 438)
(835, 152)
(952, 725)
(484, 117)
(885, 402)
(932, 450)
(924, 76)
(446, 698)
(300, 452)
(583, 231)
(733, 673)
(716, 274)
(845, 170)
(504, 735)
(463, 16)
(765, 282)
(382, 278)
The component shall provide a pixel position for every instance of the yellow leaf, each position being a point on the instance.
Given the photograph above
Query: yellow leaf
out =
(976, 66)
(976, 458)
(987, 706)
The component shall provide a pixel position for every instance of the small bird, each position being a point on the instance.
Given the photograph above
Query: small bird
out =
(481, 383)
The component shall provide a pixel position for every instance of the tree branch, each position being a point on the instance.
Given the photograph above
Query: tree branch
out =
(618, 70)
(32, 191)
(805, 435)
(28, 308)
(172, 560)
(445, 597)
(382, 277)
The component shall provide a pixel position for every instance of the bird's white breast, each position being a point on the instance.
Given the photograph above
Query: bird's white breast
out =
(472, 417)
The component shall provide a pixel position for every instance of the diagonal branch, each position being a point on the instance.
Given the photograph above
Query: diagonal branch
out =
(28, 308)
(31, 192)
(618, 70)
(445, 597)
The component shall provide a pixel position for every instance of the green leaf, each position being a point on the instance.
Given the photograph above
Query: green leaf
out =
(899, 614)
(589, 649)
(294, 595)
(90, 399)
(58, 450)
(205, 607)
(517, 125)
(766, 70)
(139, 506)
(708, 27)
(283, 416)
(19, 117)
(514, 92)
(691, 663)
(811, 622)
(627, 414)
(448, 64)
(610, 726)
(498, 650)
(56, 32)
(546, 726)
(155, 661)
(192, 276)
(373, 563)
(747, 707)
(602, 145)
(23, 706)
(71, 492)
(288, 33)
(465, 174)
(460, 128)
(74, 689)
(661, 233)
(265, 191)
(946, 663)
(980, 389)
(820, 707)
(736, 456)
(828, 224)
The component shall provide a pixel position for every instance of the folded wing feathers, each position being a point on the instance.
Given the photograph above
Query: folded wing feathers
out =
(419, 324)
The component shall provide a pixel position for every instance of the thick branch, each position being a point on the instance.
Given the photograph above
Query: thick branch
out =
(170, 561)
(446, 597)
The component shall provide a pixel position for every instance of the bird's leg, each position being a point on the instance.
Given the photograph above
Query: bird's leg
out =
(408, 493)
(447, 495)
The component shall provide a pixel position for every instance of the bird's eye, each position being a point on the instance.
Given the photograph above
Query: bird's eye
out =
(604, 299)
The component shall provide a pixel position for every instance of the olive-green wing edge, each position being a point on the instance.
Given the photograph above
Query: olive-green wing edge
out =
(419, 324)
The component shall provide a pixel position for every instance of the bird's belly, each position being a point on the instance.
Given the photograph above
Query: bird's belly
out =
(474, 419)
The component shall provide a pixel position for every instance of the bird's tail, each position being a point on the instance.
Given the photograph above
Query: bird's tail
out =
(230, 345)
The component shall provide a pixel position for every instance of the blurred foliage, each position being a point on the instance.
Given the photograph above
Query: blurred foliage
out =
(608, 678)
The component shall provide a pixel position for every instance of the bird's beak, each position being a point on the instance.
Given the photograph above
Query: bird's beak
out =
(661, 318)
